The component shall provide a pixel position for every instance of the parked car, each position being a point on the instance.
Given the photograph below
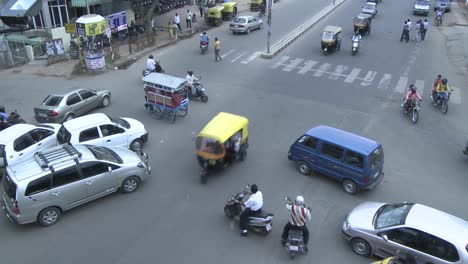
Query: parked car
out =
(42, 187)
(57, 108)
(104, 130)
(244, 24)
(445, 5)
(370, 8)
(21, 141)
(421, 7)
(385, 230)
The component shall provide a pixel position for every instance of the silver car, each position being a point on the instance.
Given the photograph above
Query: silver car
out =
(57, 108)
(370, 8)
(430, 235)
(244, 24)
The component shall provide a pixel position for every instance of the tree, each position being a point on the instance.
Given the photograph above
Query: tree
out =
(144, 10)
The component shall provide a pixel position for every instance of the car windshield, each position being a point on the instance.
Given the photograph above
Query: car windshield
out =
(369, 6)
(63, 136)
(103, 153)
(327, 36)
(240, 20)
(9, 187)
(422, 2)
(52, 100)
(119, 121)
(391, 215)
(376, 157)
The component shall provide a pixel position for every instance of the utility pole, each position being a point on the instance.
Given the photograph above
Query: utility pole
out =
(87, 7)
(269, 3)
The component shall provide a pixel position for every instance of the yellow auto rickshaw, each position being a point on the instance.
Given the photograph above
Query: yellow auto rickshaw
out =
(230, 10)
(223, 141)
(362, 23)
(331, 39)
(215, 15)
(255, 4)
(390, 260)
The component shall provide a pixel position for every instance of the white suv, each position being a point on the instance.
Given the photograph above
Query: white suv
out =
(21, 141)
(103, 130)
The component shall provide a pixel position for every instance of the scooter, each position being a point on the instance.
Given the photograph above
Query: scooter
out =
(157, 68)
(203, 47)
(355, 47)
(13, 119)
(295, 243)
(260, 224)
(199, 91)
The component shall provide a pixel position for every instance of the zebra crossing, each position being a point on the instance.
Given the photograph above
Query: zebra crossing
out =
(347, 74)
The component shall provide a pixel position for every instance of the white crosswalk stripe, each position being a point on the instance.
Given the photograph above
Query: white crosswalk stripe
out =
(292, 65)
(226, 54)
(338, 72)
(401, 85)
(279, 62)
(251, 57)
(322, 69)
(384, 82)
(239, 56)
(368, 78)
(308, 65)
(352, 75)
(419, 86)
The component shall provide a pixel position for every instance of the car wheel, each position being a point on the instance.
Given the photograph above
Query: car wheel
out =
(248, 30)
(49, 216)
(303, 167)
(136, 145)
(130, 184)
(349, 186)
(361, 247)
(105, 101)
(68, 117)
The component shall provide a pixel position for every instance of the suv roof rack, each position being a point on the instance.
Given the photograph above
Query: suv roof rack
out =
(54, 156)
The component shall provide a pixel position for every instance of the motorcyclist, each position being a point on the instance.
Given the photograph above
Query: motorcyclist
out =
(151, 63)
(3, 115)
(410, 98)
(297, 220)
(443, 89)
(436, 83)
(356, 36)
(191, 80)
(439, 13)
(253, 206)
(204, 38)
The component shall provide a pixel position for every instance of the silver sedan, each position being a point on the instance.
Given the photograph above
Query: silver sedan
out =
(244, 24)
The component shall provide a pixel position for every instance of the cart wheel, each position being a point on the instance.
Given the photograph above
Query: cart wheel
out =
(157, 112)
(204, 176)
(171, 116)
(183, 111)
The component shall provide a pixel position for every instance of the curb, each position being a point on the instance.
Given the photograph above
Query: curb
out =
(299, 31)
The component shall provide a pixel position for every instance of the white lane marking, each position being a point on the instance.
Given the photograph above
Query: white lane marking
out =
(238, 57)
(352, 75)
(401, 85)
(251, 57)
(279, 62)
(308, 64)
(455, 97)
(226, 54)
(338, 72)
(420, 87)
(322, 69)
(385, 81)
(292, 65)
(369, 78)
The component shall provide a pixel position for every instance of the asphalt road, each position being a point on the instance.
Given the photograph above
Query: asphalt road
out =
(175, 219)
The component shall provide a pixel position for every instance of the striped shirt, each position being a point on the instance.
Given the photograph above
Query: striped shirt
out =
(299, 215)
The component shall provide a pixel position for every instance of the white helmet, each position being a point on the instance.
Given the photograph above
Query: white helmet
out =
(299, 201)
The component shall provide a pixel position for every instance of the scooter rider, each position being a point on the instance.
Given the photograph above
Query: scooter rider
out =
(439, 13)
(253, 206)
(204, 38)
(151, 63)
(191, 79)
(297, 220)
(356, 36)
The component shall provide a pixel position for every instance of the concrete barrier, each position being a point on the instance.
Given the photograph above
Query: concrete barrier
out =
(299, 31)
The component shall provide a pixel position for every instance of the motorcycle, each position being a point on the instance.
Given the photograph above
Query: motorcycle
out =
(260, 223)
(13, 119)
(295, 243)
(157, 68)
(413, 111)
(355, 48)
(203, 47)
(199, 91)
(441, 101)
(438, 20)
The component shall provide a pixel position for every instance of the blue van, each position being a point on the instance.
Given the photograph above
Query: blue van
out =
(353, 160)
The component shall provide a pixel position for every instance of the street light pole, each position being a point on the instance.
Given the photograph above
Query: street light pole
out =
(269, 3)
(87, 6)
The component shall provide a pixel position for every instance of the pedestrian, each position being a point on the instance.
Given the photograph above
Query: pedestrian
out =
(409, 25)
(177, 21)
(200, 7)
(217, 48)
(170, 28)
(205, 12)
(417, 31)
(405, 32)
(425, 28)
(153, 26)
(194, 24)
(188, 19)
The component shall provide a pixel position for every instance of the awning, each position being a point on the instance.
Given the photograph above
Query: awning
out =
(82, 3)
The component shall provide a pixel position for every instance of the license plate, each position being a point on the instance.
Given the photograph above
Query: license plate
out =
(42, 114)
(268, 227)
(294, 248)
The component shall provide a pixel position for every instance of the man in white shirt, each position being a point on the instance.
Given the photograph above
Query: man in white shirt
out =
(425, 28)
(253, 206)
(409, 24)
(188, 19)
(177, 21)
(191, 79)
(150, 63)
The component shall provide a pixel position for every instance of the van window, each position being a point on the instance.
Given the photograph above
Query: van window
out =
(93, 168)
(9, 187)
(23, 142)
(89, 134)
(37, 186)
(63, 136)
(308, 141)
(331, 151)
(66, 176)
(103, 153)
(354, 159)
(376, 157)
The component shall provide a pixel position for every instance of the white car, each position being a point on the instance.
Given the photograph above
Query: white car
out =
(21, 141)
(103, 130)
(370, 8)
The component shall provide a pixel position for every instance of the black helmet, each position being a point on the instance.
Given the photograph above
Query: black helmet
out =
(190, 72)
(151, 56)
(2, 109)
(444, 80)
(253, 188)
(204, 32)
(413, 88)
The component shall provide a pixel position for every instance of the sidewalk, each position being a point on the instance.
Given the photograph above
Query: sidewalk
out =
(65, 69)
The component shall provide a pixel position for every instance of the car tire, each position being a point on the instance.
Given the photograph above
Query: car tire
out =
(49, 216)
(130, 184)
(349, 186)
(248, 31)
(303, 168)
(68, 117)
(361, 247)
(105, 102)
(136, 145)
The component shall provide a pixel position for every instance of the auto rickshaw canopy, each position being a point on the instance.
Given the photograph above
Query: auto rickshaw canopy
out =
(215, 11)
(333, 29)
(362, 18)
(223, 126)
(256, 1)
(329, 33)
(229, 6)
